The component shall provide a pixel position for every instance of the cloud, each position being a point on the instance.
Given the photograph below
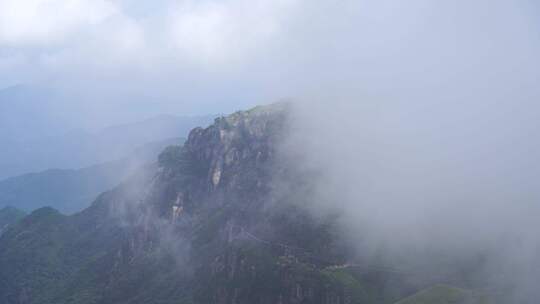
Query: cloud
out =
(48, 22)
(172, 46)
(213, 32)
(190, 32)
(211, 55)
(419, 132)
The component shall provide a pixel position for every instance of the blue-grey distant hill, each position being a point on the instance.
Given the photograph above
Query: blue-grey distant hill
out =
(37, 133)
(71, 190)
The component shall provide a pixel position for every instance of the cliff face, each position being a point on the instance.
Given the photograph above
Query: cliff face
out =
(260, 244)
(229, 162)
(204, 226)
(247, 245)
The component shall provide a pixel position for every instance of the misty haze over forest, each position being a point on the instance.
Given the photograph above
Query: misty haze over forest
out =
(393, 159)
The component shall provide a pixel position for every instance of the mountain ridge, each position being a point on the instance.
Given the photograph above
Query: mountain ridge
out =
(38, 131)
(70, 190)
(205, 225)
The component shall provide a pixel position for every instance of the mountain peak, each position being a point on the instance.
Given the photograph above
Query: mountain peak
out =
(206, 226)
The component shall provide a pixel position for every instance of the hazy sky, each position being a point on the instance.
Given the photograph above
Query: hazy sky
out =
(204, 56)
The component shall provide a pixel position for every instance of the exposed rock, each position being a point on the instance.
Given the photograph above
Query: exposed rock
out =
(204, 227)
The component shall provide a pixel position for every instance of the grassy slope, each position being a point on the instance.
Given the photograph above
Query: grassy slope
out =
(444, 294)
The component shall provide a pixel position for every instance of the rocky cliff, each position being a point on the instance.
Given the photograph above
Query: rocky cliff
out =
(203, 226)
(246, 244)
(219, 220)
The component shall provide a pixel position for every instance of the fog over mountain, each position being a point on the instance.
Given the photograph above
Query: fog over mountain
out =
(431, 185)
(402, 167)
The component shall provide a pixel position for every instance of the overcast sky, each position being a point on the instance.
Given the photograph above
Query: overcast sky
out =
(206, 56)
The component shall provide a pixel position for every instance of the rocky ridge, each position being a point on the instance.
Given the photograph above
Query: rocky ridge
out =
(212, 222)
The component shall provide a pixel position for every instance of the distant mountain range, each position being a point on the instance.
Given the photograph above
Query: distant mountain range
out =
(36, 134)
(71, 190)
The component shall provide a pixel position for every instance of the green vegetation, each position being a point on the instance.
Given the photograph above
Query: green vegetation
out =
(9, 216)
(229, 244)
(352, 287)
(444, 294)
